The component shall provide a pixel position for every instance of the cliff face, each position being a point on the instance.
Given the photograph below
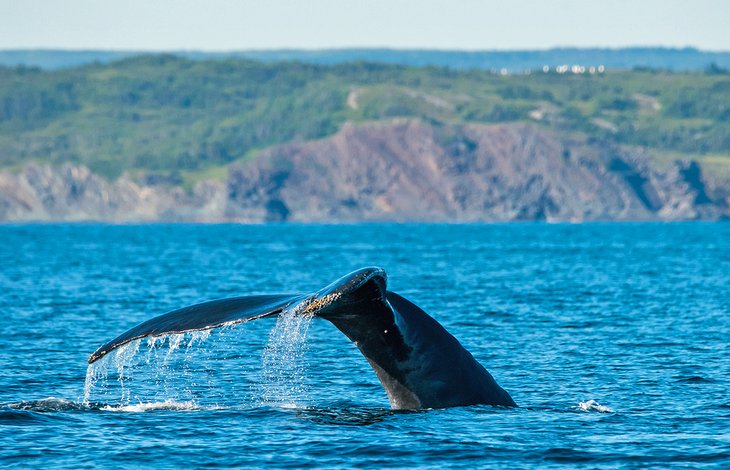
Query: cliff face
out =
(414, 171)
(400, 171)
(73, 193)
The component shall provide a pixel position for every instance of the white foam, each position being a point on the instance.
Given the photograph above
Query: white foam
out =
(289, 406)
(593, 405)
(167, 405)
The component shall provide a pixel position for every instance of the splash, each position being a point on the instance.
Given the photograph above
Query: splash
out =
(205, 368)
(593, 405)
(284, 365)
(126, 374)
(121, 360)
(96, 372)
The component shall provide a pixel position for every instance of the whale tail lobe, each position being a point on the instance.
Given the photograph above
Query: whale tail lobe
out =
(336, 298)
(204, 316)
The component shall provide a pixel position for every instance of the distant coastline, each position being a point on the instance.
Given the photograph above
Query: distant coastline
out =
(166, 138)
(513, 61)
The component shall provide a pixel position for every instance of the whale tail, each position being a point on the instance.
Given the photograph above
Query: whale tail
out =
(333, 299)
(418, 362)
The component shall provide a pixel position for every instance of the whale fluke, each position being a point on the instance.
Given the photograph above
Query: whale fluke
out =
(418, 362)
(212, 314)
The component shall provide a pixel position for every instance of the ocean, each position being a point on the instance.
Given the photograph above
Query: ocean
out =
(613, 339)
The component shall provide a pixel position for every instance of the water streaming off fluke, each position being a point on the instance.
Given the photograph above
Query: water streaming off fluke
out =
(205, 368)
(284, 361)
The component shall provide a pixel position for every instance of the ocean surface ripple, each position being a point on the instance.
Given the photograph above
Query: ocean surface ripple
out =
(612, 338)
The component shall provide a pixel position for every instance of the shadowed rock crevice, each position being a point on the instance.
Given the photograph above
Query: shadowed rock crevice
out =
(276, 211)
(638, 182)
(692, 175)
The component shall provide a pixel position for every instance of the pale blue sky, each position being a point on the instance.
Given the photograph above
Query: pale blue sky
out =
(219, 25)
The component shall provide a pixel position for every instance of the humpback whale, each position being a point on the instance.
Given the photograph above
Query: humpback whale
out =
(418, 362)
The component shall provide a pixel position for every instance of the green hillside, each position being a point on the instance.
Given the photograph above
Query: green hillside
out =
(173, 118)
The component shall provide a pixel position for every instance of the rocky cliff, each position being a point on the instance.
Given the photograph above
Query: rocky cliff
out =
(405, 170)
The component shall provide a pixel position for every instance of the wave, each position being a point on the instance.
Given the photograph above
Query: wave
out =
(47, 405)
(25, 410)
(694, 379)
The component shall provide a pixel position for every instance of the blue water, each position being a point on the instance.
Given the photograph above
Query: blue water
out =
(613, 339)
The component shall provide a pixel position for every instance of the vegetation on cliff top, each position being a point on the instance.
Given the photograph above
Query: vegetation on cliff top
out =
(167, 117)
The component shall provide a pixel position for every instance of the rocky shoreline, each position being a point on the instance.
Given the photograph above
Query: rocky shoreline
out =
(404, 170)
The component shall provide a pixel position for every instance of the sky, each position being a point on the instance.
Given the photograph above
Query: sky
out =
(224, 25)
